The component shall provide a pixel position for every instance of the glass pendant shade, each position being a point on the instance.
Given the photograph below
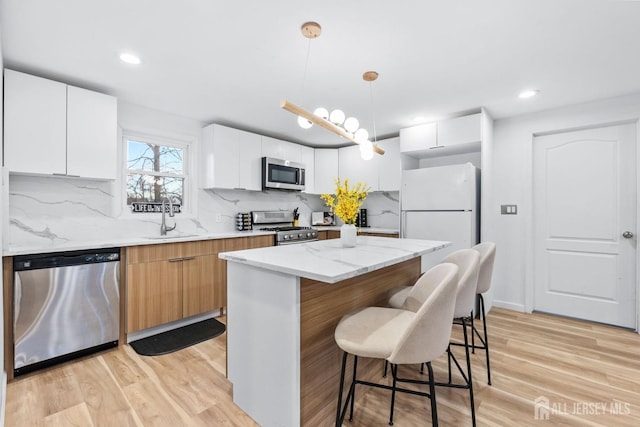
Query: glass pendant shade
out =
(361, 135)
(337, 117)
(351, 124)
(366, 150)
(304, 123)
(322, 113)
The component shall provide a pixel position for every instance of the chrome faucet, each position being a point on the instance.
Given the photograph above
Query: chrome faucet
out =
(163, 226)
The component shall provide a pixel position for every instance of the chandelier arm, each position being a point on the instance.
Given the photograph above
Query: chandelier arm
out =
(299, 111)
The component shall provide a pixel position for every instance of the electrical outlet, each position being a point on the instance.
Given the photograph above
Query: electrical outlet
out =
(509, 209)
(218, 217)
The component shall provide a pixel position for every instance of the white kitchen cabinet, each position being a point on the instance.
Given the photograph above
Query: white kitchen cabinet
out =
(307, 158)
(381, 173)
(91, 134)
(389, 165)
(53, 128)
(418, 138)
(354, 168)
(35, 128)
(279, 149)
(231, 158)
(460, 130)
(326, 170)
(452, 136)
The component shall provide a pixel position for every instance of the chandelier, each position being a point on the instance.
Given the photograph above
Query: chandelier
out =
(336, 120)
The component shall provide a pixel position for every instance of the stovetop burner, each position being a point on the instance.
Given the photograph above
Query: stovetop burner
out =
(285, 228)
(281, 222)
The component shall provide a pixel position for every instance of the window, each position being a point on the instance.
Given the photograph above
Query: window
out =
(154, 170)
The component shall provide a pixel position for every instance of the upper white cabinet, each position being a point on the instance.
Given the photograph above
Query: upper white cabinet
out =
(418, 138)
(381, 173)
(231, 158)
(53, 128)
(326, 170)
(307, 158)
(460, 130)
(279, 149)
(456, 135)
(355, 169)
(389, 165)
(91, 134)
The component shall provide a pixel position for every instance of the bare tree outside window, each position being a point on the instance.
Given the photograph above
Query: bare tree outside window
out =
(154, 171)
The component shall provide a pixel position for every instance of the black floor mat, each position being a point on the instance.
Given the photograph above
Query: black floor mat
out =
(177, 339)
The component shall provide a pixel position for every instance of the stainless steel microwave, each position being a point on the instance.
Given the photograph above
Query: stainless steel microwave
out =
(282, 175)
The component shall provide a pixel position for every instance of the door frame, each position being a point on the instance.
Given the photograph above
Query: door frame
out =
(529, 262)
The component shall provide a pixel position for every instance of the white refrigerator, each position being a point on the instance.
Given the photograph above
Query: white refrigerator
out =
(441, 203)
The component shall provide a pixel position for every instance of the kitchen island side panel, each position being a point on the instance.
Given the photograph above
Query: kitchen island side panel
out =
(322, 305)
(263, 343)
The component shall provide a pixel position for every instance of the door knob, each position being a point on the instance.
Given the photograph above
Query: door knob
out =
(627, 234)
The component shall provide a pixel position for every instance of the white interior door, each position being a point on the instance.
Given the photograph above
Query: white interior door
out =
(584, 203)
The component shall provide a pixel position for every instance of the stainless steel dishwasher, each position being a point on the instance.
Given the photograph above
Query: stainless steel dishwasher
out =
(66, 305)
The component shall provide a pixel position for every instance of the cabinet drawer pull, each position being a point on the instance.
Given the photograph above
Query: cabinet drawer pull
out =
(176, 259)
(189, 258)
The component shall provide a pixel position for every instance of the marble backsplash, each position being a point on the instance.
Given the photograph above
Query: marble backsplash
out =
(50, 210)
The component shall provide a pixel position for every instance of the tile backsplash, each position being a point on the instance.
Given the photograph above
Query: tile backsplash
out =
(50, 210)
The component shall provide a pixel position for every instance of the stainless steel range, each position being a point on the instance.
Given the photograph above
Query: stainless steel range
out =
(282, 223)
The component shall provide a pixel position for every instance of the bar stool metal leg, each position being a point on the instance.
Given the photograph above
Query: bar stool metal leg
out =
(432, 392)
(394, 373)
(470, 378)
(486, 339)
(353, 391)
(338, 411)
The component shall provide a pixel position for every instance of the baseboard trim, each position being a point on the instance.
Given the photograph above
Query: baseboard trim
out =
(509, 305)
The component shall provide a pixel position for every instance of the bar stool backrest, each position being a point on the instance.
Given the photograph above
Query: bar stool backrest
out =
(468, 261)
(487, 252)
(428, 334)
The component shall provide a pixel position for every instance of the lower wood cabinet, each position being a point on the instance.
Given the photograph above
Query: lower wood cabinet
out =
(392, 235)
(154, 294)
(333, 234)
(172, 281)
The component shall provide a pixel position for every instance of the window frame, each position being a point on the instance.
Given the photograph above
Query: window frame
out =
(188, 207)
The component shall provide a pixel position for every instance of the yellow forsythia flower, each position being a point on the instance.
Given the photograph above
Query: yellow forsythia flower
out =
(347, 201)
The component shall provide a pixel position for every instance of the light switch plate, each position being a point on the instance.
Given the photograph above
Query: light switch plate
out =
(509, 209)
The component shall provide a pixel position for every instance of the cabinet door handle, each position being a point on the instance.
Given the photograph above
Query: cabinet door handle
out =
(189, 258)
(176, 259)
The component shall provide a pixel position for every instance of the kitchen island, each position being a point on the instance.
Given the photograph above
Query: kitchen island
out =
(284, 303)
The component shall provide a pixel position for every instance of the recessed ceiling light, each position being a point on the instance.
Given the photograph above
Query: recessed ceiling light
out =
(130, 58)
(528, 94)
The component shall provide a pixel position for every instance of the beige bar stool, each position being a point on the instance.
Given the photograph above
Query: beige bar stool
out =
(468, 261)
(487, 252)
(415, 334)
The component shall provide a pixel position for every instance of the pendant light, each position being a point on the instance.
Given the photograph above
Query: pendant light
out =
(335, 121)
(310, 30)
(367, 147)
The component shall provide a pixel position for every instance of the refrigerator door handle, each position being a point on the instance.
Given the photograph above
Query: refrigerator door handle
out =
(403, 224)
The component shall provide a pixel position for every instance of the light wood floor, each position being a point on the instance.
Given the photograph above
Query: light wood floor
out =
(577, 366)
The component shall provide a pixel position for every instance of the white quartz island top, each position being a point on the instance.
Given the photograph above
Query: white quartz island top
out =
(327, 261)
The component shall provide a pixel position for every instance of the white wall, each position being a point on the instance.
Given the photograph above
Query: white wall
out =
(511, 183)
(3, 379)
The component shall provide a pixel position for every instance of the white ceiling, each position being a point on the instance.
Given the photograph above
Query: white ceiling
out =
(232, 62)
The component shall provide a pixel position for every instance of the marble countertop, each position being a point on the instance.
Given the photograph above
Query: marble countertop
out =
(124, 241)
(360, 229)
(328, 261)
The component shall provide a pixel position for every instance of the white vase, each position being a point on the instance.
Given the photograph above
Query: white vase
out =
(348, 234)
